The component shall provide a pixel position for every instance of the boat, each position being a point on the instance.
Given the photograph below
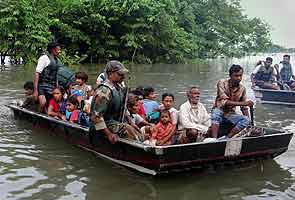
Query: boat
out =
(155, 160)
(280, 97)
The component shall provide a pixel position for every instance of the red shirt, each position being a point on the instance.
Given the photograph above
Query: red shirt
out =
(162, 131)
(74, 116)
(55, 105)
(141, 111)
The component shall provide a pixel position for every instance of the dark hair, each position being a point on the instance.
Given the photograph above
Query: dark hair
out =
(60, 88)
(29, 85)
(82, 75)
(51, 46)
(288, 56)
(167, 95)
(73, 100)
(165, 111)
(132, 100)
(234, 69)
(147, 91)
(269, 59)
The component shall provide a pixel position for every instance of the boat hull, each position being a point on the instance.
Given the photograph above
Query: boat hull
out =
(280, 97)
(162, 159)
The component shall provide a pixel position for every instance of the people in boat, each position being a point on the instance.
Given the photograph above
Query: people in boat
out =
(46, 75)
(286, 72)
(29, 101)
(57, 104)
(81, 86)
(194, 120)
(163, 132)
(133, 118)
(151, 106)
(108, 105)
(231, 93)
(264, 75)
(139, 93)
(87, 102)
(72, 109)
(73, 114)
(167, 104)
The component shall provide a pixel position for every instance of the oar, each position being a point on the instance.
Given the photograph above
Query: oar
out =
(252, 115)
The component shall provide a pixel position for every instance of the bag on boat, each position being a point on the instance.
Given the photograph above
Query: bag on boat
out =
(65, 76)
(83, 119)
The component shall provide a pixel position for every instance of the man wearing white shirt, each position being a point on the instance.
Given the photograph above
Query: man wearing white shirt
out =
(193, 116)
(286, 72)
(46, 75)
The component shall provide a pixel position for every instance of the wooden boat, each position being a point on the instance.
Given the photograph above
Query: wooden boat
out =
(163, 159)
(281, 97)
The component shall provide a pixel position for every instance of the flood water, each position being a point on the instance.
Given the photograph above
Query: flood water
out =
(37, 165)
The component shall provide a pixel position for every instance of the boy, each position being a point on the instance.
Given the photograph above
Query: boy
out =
(150, 105)
(29, 102)
(81, 79)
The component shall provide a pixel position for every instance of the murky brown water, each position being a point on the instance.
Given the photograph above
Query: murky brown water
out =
(37, 165)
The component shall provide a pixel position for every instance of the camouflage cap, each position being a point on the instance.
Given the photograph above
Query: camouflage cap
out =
(115, 66)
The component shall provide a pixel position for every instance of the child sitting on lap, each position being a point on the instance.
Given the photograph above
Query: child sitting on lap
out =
(72, 111)
(163, 132)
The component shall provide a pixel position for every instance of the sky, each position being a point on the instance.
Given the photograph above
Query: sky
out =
(280, 14)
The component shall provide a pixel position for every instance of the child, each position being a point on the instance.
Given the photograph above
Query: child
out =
(87, 102)
(163, 132)
(150, 105)
(56, 108)
(72, 112)
(132, 116)
(167, 104)
(139, 93)
(29, 102)
(81, 79)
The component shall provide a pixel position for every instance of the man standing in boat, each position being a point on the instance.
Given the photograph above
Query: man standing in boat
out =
(46, 75)
(231, 93)
(109, 105)
(286, 72)
(264, 75)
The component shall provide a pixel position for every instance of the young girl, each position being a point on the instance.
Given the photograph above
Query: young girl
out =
(164, 130)
(56, 108)
(167, 104)
(150, 105)
(72, 111)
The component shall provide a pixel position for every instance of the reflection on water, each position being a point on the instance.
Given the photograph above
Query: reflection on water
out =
(36, 165)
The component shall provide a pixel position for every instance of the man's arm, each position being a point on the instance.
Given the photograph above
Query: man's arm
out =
(36, 82)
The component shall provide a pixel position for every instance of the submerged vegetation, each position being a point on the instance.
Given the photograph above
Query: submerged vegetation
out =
(143, 31)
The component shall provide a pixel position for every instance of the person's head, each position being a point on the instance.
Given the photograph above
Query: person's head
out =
(81, 78)
(139, 93)
(165, 116)
(58, 93)
(54, 48)
(149, 93)
(167, 100)
(90, 91)
(132, 104)
(29, 88)
(286, 59)
(115, 71)
(193, 95)
(268, 61)
(236, 74)
(72, 103)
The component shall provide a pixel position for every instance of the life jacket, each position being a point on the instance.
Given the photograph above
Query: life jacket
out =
(264, 74)
(116, 104)
(49, 74)
(285, 72)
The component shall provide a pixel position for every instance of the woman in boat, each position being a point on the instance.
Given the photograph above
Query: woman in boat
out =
(57, 106)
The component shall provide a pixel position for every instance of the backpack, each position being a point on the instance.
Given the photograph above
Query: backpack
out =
(83, 119)
(65, 77)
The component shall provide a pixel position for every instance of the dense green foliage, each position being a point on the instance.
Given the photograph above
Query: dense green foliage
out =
(135, 30)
